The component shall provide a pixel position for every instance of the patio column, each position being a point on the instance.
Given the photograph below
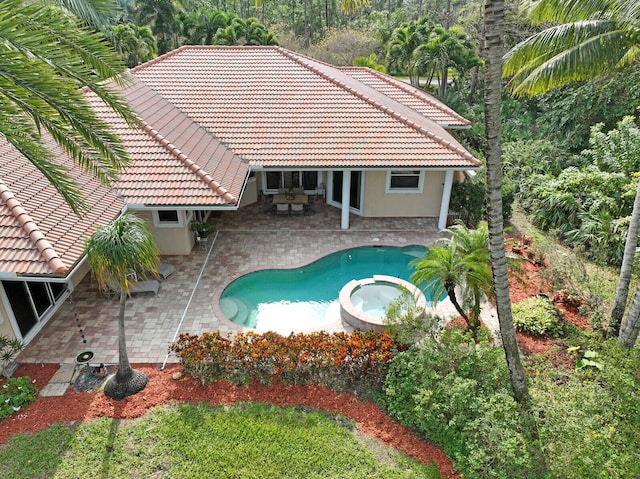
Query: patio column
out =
(446, 196)
(346, 195)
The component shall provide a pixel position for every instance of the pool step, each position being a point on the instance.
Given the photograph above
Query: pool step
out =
(235, 310)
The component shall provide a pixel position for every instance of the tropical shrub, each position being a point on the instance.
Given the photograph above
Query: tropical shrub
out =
(538, 316)
(468, 199)
(354, 362)
(588, 418)
(15, 394)
(457, 394)
(9, 347)
(408, 324)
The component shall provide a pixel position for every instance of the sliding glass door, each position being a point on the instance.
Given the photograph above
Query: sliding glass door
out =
(31, 301)
(355, 192)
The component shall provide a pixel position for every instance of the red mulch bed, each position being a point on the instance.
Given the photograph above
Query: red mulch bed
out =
(162, 388)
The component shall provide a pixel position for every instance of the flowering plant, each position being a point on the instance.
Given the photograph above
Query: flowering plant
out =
(15, 394)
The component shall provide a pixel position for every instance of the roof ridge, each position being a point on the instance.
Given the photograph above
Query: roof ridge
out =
(447, 144)
(37, 237)
(160, 58)
(413, 91)
(188, 162)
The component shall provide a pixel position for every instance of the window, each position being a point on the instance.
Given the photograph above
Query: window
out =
(405, 181)
(167, 219)
(307, 180)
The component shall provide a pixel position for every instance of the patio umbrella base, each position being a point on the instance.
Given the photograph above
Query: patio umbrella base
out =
(118, 390)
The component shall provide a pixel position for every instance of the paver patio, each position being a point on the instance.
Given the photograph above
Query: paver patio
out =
(246, 240)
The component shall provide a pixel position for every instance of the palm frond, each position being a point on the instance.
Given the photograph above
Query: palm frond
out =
(569, 11)
(564, 54)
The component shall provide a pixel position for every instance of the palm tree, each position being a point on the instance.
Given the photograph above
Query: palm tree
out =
(590, 37)
(207, 25)
(629, 333)
(461, 263)
(494, 12)
(135, 44)
(115, 253)
(161, 16)
(45, 57)
(403, 44)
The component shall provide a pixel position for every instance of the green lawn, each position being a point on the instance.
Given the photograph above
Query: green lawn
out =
(247, 440)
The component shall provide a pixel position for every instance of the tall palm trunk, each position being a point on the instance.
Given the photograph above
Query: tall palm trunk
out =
(494, 11)
(622, 292)
(124, 367)
(127, 381)
(629, 333)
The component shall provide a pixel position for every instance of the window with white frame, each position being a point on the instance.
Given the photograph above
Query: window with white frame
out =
(167, 219)
(405, 181)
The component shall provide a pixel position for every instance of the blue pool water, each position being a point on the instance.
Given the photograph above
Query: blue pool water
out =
(304, 298)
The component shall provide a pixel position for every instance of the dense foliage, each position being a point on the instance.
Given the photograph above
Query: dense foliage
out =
(354, 362)
(538, 316)
(586, 199)
(580, 423)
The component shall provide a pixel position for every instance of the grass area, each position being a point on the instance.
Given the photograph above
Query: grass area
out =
(246, 440)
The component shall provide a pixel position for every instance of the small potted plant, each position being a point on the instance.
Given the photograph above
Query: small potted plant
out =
(202, 229)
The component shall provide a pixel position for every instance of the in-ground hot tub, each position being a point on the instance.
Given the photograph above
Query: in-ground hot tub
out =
(363, 302)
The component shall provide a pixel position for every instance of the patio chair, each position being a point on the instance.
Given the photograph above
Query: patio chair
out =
(145, 286)
(297, 209)
(165, 270)
(282, 209)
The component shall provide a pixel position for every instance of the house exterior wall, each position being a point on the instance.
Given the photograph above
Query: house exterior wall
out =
(170, 239)
(378, 203)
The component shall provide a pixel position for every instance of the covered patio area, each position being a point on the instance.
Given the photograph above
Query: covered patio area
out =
(246, 240)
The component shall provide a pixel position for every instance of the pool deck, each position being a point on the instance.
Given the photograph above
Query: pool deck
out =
(246, 240)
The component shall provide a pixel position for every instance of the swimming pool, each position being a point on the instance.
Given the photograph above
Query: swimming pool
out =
(286, 300)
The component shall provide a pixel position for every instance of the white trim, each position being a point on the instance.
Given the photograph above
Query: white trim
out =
(167, 224)
(399, 172)
(41, 321)
(446, 197)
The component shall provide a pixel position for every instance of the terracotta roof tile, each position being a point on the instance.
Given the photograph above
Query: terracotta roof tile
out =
(39, 234)
(275, 108)
(175, 161)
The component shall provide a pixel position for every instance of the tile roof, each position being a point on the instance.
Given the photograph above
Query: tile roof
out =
(277, 109)
(174, 160)
(39, 234)
(409, 95)
(208, 114)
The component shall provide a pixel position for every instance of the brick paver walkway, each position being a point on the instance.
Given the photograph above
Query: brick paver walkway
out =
(246, 240)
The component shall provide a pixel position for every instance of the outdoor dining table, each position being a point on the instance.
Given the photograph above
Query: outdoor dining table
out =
(280, 198)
